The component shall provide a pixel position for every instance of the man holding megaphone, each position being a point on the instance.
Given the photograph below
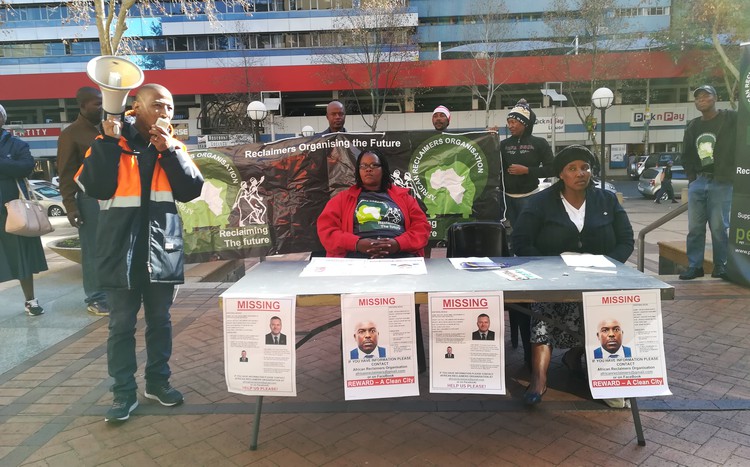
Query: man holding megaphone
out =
(137, 170)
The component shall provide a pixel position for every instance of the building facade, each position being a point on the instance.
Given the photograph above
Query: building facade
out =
(296, 49)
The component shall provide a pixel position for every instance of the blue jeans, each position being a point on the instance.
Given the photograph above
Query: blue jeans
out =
(708, 201)
(88, 209)
(513, 208)
(121, 360)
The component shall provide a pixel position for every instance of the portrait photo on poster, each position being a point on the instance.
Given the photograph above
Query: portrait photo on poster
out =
(610, 334)
(483, 331)
(275, 337)
(369, 337)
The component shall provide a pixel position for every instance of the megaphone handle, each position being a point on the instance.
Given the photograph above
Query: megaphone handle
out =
(117, 125)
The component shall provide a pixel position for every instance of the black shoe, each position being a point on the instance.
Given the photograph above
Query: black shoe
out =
(691, 273)
(98, 309)
(656, 201)
(32, 307)
(165, 394)
(121, 408)
(674, 201)
(719, 272)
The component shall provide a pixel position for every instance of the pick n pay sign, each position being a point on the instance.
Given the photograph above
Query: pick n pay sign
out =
(675, 117)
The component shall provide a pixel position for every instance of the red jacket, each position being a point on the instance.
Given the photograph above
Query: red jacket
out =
(336, 223)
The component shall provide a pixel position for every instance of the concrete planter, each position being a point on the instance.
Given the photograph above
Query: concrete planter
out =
(63, 248)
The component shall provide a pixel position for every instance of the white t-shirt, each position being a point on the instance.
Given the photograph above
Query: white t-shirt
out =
(577, 216)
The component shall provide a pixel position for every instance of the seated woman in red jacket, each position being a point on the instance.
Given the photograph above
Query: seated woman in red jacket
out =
(373, 218)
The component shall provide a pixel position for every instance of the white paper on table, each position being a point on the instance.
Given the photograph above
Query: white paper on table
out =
(335, 267)
(600, 271)
(586, 260)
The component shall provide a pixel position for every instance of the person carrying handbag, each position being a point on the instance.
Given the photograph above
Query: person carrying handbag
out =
(20, 257)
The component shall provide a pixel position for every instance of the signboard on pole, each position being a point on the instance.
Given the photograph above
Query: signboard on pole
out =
(738, 261)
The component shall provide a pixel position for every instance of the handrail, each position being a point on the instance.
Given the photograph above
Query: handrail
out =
(657, 223)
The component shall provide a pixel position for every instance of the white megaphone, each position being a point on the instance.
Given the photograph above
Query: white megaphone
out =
(116, 77)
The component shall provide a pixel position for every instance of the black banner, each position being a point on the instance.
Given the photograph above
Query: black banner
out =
(263, 199)
(738, 262)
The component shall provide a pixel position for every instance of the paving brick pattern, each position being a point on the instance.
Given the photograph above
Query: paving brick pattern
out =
(52, 405)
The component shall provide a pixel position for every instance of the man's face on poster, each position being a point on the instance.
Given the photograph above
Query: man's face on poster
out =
(610, 335)
(483, 323)
(275, 326)
(366, 335)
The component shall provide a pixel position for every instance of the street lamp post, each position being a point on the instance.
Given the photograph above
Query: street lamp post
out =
(602, 99)
(257, 111)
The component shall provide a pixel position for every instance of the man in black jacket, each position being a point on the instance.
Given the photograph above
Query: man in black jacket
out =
(137, 169)
(709, 152)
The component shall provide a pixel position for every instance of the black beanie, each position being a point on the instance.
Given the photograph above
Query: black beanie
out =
(572, 153)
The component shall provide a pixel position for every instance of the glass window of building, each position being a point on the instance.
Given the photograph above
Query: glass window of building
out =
(200, 43)
(306, 39)
(177, 44)
(291, 40)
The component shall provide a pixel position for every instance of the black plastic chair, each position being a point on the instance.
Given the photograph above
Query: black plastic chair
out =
(477, 239)
(481, 239)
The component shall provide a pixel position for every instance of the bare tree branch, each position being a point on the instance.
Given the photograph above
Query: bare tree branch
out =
(110, 16)
(590, 26)
(373, 44)
(486, 53)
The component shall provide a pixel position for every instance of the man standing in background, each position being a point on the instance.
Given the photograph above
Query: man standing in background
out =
(336, 116)
(82, 210)
(709, 145)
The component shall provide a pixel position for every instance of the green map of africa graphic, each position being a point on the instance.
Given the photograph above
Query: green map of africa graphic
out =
(452, 188)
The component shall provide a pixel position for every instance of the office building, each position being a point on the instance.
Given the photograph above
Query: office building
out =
(294, 49)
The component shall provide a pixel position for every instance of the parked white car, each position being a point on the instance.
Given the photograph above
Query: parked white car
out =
(49, 197)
